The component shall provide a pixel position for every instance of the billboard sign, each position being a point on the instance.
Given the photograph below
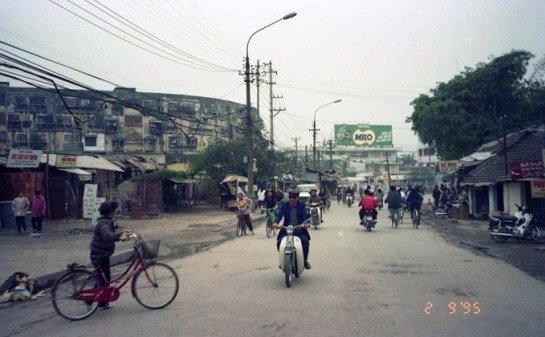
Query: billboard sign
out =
(448, 166)
(538, 188)
(363, 135)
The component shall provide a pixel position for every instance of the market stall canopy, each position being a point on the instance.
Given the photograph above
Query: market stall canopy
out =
(234, 177)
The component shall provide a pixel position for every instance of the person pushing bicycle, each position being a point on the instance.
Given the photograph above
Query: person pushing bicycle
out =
(103, 243)
(244, 205)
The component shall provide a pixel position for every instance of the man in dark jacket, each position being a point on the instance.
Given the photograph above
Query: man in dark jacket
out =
(294, 213)
(393, 199)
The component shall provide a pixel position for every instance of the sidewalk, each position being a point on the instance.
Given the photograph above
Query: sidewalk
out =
(526, 255)
(64, 242)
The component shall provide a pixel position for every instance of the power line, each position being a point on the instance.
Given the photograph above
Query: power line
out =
(190, 64)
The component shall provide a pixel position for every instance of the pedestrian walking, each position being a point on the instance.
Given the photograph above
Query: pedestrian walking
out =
(436, 196)
(37, 211)
(20, 206)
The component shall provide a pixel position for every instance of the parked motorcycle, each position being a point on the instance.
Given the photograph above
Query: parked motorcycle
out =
(521, 226)
(349, 200)
(368, 222)
(314, 215)
(290, 255)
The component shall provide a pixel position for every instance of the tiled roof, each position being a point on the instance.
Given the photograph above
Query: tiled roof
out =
(528, 147)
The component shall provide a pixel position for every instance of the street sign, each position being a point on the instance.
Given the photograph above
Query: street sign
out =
(24, 158)
(66, 161)
(448, 166)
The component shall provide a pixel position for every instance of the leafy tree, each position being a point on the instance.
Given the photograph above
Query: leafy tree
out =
(407, 160)
(474, 106)
(222, 158)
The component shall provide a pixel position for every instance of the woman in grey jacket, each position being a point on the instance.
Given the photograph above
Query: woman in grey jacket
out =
(104, 239)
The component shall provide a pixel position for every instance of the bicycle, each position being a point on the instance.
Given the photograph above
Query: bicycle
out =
(415, 215)
(270, 214)
(394, 218)
(77, 292)
(241, 224)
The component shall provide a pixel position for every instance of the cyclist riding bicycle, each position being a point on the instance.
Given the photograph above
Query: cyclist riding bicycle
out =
(244, 205)
(414, 200)
(393, 199)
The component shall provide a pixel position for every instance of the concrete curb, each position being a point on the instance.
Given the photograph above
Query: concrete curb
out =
(47, 280)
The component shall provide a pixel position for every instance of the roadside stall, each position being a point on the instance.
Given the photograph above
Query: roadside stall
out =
(230, 186)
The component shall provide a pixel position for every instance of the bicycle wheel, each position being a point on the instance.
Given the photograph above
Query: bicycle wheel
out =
(155, 286)
(269, 228)
(416, 218)
(396, 219)
(64, 295)
(239, 227)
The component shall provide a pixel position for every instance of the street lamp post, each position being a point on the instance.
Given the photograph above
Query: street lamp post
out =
(249, 151)
(314, 132)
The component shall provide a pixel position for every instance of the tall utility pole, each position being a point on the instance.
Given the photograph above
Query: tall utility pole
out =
(314, 130)
(306, 156)
(257, 79)
(297, 155)
(272, 110)
(330, 143)
(388, 168)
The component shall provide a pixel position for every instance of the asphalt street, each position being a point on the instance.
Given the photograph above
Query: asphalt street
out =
(390, 282)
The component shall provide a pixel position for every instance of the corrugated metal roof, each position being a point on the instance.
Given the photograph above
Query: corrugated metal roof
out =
(76, 171)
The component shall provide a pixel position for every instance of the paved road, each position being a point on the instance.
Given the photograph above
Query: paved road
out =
(361, 284)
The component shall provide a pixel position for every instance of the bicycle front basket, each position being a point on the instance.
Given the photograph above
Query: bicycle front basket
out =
(150, 249)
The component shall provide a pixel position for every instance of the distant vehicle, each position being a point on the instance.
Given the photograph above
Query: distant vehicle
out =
(304, 191)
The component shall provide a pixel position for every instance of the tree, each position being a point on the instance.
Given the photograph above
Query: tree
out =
(474, 106)
(222, 158)
(407, 160)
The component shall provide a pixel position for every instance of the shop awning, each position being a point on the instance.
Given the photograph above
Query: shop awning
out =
(77, 171)
(233, 177)
(98, 163)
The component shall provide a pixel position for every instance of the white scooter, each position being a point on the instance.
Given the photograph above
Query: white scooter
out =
(290, 254)
(314, 214)
(349, 200)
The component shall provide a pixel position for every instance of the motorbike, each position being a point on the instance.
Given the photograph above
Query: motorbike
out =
(314, 214)
(521, 226)
(290, 255)
(368, 222)
(349, 200)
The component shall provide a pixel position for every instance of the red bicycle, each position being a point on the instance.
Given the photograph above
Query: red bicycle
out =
(76, 293)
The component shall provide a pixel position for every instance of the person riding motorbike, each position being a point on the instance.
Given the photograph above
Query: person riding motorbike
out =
(368, 204)
(315, 199)
(294, 213)
(324, 194)
(347, 192)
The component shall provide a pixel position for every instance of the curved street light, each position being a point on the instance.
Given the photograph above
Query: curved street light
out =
(249, 150)
(314, 132)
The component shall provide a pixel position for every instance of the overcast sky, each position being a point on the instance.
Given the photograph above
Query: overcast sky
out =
(376, 56)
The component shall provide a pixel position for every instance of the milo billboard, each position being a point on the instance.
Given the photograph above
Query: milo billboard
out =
(363, 135)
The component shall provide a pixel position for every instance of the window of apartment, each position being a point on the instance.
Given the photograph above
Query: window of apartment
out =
(71, 138)
(133, 120)
(90, 140)
(148, 103)
(44, 120)
(20, 101)
(37, 100)
(38, 138)
(118, 143)
(3, 136)
(21, 138)
(85, 103)
(72, 102)
(3, 100)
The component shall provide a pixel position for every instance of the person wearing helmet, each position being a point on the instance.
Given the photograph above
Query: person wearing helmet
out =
(294, 213)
